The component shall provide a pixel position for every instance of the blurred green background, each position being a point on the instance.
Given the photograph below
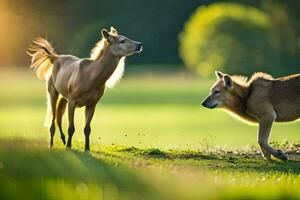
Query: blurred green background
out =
(235, 36)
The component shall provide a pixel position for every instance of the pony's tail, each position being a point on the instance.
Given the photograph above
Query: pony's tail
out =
(42, 56)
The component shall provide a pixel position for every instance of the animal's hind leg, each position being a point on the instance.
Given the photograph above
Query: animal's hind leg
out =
(60, 112)
(71, 129)
(53, 95)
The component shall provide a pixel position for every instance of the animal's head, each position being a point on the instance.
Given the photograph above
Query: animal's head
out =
(221, 94)
(119, 44)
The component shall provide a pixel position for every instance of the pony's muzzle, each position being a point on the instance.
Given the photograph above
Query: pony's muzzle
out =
(139, 47)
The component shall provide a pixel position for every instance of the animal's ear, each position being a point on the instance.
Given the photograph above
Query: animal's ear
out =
(108, 36)
(219, 74)
(113, 31)
(227, 81)
(105, 34)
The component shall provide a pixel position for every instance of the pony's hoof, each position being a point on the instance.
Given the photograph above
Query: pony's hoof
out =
(281, 155)
(68, 147)
(63, 140)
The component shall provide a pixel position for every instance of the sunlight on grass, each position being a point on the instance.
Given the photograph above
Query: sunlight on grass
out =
(34, 172)
(140, 111)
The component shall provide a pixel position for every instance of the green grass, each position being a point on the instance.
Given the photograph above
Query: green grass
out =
(151, 139)
(28, 170)
(145, 111)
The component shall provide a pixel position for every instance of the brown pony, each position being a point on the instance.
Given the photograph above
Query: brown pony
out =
(80, 82)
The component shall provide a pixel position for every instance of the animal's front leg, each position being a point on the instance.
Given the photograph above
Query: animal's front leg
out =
(264, 152)
(71, 129)
(265, 125)
(89, 113)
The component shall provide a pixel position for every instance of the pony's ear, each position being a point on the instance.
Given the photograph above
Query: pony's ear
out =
(227, 81)
(113, 31)
(105, 34)
(219, 74)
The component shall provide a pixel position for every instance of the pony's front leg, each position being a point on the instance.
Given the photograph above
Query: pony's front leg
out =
(89, 113)
(71, 129)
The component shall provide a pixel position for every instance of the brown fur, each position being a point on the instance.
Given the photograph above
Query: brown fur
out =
(261, 100)
(80, 82)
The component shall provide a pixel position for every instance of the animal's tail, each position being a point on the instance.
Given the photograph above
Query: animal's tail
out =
(43, 55)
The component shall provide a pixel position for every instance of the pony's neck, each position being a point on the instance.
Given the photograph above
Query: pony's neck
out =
(105, 65)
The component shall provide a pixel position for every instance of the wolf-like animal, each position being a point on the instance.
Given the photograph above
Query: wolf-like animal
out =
(262, 100)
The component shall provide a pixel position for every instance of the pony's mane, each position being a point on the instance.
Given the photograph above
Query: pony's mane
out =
(97, 52)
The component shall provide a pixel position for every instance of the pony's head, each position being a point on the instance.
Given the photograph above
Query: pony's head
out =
(120, 45)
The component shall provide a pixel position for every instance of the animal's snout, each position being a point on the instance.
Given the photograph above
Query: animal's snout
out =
(139, 46)
(204, 103)
(208, 104)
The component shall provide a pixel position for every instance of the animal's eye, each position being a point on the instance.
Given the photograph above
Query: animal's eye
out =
(122, 41)
(216, 92)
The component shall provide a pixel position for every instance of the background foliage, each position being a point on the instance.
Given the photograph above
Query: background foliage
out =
(245, 36)
(238, 39)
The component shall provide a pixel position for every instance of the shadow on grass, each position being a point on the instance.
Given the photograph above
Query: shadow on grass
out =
(31, 171)
(243, 162)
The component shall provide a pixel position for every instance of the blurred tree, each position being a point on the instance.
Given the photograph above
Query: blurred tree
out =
(74, 26)
(237, 39)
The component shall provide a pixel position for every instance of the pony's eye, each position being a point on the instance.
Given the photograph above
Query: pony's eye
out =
(122, 41)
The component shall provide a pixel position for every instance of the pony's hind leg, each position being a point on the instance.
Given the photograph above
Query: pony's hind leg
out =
(71, 129)
(53, 95)
(61, 108)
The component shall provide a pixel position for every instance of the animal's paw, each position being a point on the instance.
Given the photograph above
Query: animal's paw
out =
(281, 155)
(268, 157)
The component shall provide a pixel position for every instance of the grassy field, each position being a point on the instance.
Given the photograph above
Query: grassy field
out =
(151, 139)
